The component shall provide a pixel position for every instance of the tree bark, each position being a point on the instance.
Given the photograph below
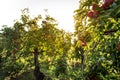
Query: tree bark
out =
(37, 73)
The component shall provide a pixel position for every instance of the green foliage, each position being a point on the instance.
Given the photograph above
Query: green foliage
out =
(26, 34)
(102, 39)
(92, 53)
(61, 67)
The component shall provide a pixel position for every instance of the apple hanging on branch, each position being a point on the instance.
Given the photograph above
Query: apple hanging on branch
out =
(95, 11)
(93, 14)
(95, 7)
(107, 3)
(83, 43)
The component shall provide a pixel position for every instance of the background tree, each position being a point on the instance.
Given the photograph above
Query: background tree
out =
(10, 42)
(34, 43)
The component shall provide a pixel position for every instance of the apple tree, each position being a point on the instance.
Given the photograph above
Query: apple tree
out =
(34, 44)
(97, 31)
(50, 42)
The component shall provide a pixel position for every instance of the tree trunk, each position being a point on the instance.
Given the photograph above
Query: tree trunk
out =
(37, 73)
(82, 66)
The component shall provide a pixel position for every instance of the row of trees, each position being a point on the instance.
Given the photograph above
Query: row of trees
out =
(34, 48)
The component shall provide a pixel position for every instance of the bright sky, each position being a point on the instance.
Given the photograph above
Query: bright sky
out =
(61, 10)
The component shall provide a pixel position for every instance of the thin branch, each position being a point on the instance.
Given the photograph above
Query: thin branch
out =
(109, 32)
